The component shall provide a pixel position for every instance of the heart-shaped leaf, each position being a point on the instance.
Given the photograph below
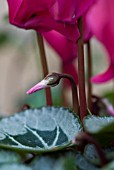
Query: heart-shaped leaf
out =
(64, 161)
(83, 164)
(110, 166)
(12, 161)
(39, 130)
(101, 128)
(9, 157)
(92, 156)
(14, 167)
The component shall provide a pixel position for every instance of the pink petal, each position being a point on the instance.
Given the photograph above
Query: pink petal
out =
(106, 76)
(100, 20)
(63, 11)
(87, 32)
(14, 7)
(44, 22)
(35, 15)
(70, 11)
(66, 49)
(82, 6)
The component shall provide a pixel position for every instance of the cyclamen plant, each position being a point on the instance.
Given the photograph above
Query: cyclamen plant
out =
(63, 138)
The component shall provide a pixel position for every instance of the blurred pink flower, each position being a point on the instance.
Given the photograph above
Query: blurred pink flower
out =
(37, 15)
(87, 33)
(71, 10)
(66, 50)
(100, 20)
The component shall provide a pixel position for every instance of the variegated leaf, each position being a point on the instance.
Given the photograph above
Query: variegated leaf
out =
(39, 130)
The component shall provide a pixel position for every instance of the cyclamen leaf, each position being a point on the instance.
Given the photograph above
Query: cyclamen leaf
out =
(110, 166)
(83, 164)
(9, 157)
(65, 161)
(101, 128)
(14, 167)
(94, 124)
(39, 130)
(45, 163)
(92, 156)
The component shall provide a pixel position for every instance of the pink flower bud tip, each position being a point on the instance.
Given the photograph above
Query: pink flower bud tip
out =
(41, 85)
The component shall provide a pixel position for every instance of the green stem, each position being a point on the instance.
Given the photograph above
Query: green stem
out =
(89, 67)
(44, 67)
(81, 76)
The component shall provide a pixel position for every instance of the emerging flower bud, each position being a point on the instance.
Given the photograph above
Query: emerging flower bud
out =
(49, 81)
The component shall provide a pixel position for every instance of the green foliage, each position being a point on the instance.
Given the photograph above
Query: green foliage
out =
(39, 130)
(14, 167)
(63, 161)
(66, 161)
(48, 133)
(102, 128)
(91, 154)
(110, 166)
(4, 38)
(12, 161)
(83, 164)
(9, 157)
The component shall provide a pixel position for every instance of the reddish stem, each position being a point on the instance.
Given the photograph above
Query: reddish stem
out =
(64, 89)
(44, 67)
(113, 94)
(81, 76)
(89, 67)
(84, 138)
(74, 92)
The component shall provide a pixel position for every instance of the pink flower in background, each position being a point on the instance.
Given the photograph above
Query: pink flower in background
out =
(36, 15)
(100, 20)
(71, 10)
(65, 49)
(87, 33)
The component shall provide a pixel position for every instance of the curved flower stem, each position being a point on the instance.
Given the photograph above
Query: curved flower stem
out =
(64, 88)
(83, 138)
(113, 94)
(81, 76)
(44, 66)
(74, 91)
(52, 80)
(89, 67)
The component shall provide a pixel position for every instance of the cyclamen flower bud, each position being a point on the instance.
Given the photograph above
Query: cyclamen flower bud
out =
(49, 81)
